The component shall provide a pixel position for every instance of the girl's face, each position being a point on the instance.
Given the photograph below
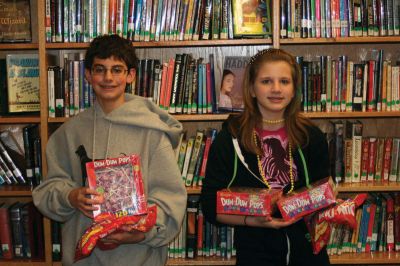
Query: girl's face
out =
(228, 82)
(274, 89)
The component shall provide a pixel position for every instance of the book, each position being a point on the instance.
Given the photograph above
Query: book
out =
(23, 83)
(32, 221)
(3, 87)
(55, 240)
(230, 93)
(17, 229)
(5, 232)
(251, 18)
(15, 17)
(119, 180)
(29, 134)
(11, 165)
(191, 228)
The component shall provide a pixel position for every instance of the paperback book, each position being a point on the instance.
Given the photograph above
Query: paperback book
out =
(23, 83)
(251, 18)
(231, 94)
(15, 21)
(119, 180)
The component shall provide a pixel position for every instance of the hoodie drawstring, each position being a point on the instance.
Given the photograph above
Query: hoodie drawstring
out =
(94, 136)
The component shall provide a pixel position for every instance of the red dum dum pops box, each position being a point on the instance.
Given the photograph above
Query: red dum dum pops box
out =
(308, 200)
(247, 201)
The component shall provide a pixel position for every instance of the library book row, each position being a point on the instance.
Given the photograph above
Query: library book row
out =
(343, 85)
(21, 164)
(21, 231)
(155, 20)
(338, 18)
(355, 158)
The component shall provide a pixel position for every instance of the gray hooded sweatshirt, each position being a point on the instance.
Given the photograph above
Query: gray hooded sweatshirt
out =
(136, 127)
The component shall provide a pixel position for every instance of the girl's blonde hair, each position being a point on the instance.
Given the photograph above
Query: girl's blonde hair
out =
(295, 123)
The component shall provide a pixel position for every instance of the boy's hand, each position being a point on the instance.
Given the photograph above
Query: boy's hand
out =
(81, 199)
(124, 237)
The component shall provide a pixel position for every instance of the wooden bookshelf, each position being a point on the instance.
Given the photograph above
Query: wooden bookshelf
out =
(352, 40)
(19, 46)
(22, 262)
(15, 191)
(367, 258)
(19, 119)
(201, 261)
(167, 44)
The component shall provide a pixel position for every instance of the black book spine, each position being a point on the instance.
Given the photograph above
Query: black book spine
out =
(17, 229)
(191, 234)
(175, 84)
(37, 157)
(59, 91)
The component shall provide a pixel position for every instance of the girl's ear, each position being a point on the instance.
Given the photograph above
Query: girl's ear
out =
(252, 93)
(131, 75)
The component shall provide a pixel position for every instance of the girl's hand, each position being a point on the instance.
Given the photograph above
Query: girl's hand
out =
(268, 222)
(81, 199)
(124, 237)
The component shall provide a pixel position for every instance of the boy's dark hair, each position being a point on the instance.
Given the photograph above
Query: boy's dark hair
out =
(107, 46)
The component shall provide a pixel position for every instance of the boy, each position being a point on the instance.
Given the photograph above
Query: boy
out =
(116, 125)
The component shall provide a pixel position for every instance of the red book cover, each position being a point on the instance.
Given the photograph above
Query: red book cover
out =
(120, 182)
(170, 79)
(396, 198)
(390, 223)
(370, 227)
(371, 159)
(364, 159)
(386, 159)
(208, 88)
(112, 22)
(205, 158)
(371, 103)
(200, 229)
(5, 232)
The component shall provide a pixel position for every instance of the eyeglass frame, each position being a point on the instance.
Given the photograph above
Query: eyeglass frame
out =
(104, 70)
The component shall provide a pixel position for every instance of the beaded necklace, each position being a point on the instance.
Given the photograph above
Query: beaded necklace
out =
(278, 121)
(260, 169)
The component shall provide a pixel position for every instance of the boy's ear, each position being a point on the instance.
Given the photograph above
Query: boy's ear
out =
(131, 75)
(88, 75)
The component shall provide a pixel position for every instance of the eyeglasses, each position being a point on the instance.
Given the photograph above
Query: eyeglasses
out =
(116, 71)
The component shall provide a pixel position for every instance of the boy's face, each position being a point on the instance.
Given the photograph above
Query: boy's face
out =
(109, 78)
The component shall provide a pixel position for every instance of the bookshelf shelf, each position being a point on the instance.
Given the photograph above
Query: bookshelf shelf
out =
(234, 42)
(15, 191)
(22, 262)
(19, 46)
(367, 258)
(222, 117)
(369, 187)
(19, 119)
(201, 261)
(351, 40)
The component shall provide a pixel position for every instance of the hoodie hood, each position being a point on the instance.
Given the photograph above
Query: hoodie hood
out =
(140, 112)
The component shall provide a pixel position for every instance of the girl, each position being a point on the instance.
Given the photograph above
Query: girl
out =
(268, 139)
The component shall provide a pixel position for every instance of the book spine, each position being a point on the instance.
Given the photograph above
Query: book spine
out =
(390, 224)
(372, 158)
(17, 230)
(5, 233)
(364, 159)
